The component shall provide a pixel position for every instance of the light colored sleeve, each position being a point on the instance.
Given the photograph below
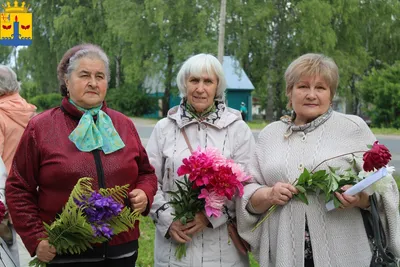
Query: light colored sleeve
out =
(388, 203)
(3, 177)
(246, 219)
(161, 211)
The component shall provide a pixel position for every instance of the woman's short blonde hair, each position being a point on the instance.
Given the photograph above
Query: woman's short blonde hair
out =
(312, 65)
(196, 66)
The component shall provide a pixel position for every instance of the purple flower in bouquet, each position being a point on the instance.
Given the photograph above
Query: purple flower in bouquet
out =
(102, 230)
(99, 208)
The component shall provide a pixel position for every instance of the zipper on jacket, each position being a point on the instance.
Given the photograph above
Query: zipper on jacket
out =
(102, 184)
(99, 168)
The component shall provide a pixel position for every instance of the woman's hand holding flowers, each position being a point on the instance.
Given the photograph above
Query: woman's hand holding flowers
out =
(138, 199)
(45, 252)
(360, 200)
(281, 193)
(182, 232)
(197, 225)
(177, 232)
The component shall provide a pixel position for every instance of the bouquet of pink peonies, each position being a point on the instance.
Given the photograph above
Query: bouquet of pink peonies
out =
(209, 180)
(329, 182)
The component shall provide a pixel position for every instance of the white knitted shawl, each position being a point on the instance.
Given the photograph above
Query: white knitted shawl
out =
(338, 237)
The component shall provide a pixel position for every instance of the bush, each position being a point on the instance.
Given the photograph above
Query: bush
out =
(131, 101)
(46, 101)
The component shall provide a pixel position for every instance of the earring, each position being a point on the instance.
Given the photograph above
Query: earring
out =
(67, 93)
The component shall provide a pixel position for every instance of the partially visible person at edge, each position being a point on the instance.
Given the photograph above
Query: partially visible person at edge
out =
(243, 111)
(7, 235)
(81, 138)
(208, 122)
(297, 234)
(15, 113)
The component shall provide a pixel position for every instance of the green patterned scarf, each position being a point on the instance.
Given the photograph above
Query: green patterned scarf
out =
(89, 136)
(201, 115)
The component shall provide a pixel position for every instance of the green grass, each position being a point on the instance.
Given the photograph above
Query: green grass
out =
(386, 131)
(397, 178)
(146, 244)
(257, 124)
(260, 124)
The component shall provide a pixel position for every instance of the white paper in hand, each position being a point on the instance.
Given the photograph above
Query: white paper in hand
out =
(360, 186)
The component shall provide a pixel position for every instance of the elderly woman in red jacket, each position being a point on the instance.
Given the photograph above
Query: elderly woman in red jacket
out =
(81, 138)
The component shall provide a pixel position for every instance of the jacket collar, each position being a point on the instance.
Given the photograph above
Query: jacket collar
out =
(221, 118)
(73, 112)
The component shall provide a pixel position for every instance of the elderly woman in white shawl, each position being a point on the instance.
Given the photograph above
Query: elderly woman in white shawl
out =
(297, 234)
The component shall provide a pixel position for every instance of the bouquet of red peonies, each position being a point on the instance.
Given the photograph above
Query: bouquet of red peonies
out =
(328, 182)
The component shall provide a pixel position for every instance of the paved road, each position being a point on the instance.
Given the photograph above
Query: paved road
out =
(392, 142)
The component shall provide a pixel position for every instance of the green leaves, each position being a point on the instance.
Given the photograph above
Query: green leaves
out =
(185, 201)
(71, 233)
(323, 182)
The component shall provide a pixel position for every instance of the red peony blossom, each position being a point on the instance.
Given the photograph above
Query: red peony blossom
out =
(225, 182)
(2, 211)
(377, 157)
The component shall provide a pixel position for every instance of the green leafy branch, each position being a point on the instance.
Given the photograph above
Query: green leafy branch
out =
(321, 182)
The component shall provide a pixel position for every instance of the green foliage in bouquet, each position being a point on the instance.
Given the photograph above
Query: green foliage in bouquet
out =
(185, 201)
(73, 233)
(323, 182)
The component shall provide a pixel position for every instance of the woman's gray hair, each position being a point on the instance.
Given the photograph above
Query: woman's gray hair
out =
(71, 58)
(8, 81)
(197, 65)
(92, 53)
(312, 65)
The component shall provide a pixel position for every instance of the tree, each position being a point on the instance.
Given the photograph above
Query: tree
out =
(381, 91)
(162, 35)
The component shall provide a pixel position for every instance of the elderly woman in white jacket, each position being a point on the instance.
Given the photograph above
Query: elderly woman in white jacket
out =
(208, 122)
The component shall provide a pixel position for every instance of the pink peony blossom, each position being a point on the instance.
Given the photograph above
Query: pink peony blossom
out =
(238, 171)
(214, 202)
(219, 178)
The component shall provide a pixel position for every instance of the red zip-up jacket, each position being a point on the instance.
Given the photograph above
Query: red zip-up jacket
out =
(47, 166)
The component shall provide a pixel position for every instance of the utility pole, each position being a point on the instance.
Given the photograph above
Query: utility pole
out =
(221, 36)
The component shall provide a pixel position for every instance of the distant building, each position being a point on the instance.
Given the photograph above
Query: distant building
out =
(239, 88)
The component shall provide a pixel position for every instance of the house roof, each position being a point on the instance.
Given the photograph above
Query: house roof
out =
(236, 78)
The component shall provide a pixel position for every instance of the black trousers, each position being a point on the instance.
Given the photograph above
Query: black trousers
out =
(124, 262)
